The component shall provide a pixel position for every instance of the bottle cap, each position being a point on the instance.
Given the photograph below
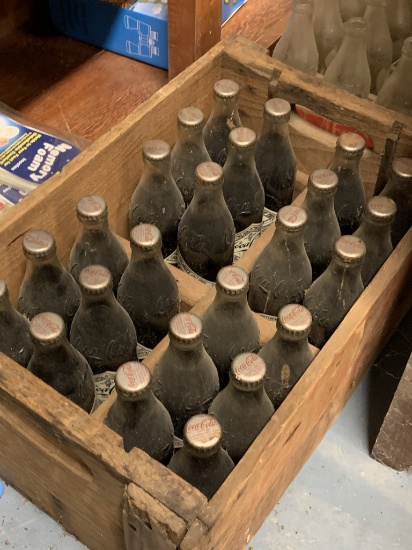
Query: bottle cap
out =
(324, 181)
(186, 328)
(381, 209)
(4, 293)
(350, 249)
(209, 174)
(39, 244)
(191, 117)
(47, 328)
(132, 379)
(91, 208)
(278, 108)
(202, 433)
(232, 280)
(247, 371)
(291, 218)
(402, 168)
(226, 89)
(242, 137)
(156, 150)
(351, 144)
(294, 320)
(145, 236)
(95, 279)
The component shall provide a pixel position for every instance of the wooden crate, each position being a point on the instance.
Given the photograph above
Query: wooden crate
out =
(73, 466)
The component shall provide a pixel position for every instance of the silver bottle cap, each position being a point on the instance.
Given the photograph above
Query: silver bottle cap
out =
(381, 209)
(248, 371)
(132, 379)
(186, 328)
(402, 168)
(291, 218)
(145, 236)
(191, 117)
(242, 137)
(95, 279)
(226, 89)
(4, 293)
(351, 144)
(47, 328)
(324, 181)
(278, 108)
(156, 150)
(294, 320)
(350, 249)
(92, 208)
(39, 244)
(202, 433)
(232, 280)
(209, 174)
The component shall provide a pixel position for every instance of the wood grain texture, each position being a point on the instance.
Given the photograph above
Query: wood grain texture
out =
(14, 13)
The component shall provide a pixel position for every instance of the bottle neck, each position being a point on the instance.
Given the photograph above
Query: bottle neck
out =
(315, 200)
(272, 126)
(52, 357)
(241, 156)
(39, 264)
(139, 256)
(190, 135)
(282, 237)
(132, 408)
(404, 65)
(207, 195)
(290, 344)
(100, 227)
(105, 298)
(239, 392)
(340, 270)
(5, 306)
(188, 353)
(225, 107)
(379, 231)
(238, 301)
(156, 173)
(342, 161)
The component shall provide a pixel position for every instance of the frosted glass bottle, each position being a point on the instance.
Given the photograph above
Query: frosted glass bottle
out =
(297, 46)
(331, 296)
(352, 8)
(329, 31)
(223, 118)
(400, 24)
(287, 354)
(375, 232)
(189, 150)
(349, 69)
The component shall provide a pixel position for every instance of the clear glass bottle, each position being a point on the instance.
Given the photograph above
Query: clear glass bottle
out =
(58, 363)
(229, 325)
(287, 354)
(95, 242)
(46, 285)
(275, 158)
(157, 199)
(349, 69)
(206, 235)
(185, 379)
(15, 339)
(375, 232)
(329, 31)
(189, 150)
(102, 330)
(352, 8)
(399, 14)
(396, 91)
(332, 295)
(243, 407)
(147, 289)
(282, 272)
(297, 46)
(138, 416)
(223, 118)
(350, 197)
(201, 461)
(322, 227)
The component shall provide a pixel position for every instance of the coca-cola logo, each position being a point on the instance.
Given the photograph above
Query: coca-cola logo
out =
(41, 239)
(94, 274)
(205, 423)
(45, 325)
(324, 176)
(293, 214)
(249, 365)
(136, 375)
(156, 147)
(294, 315)
(350, 243)
(91, 204)
(381, 205)
(243, 135)
(209, 170)
(232, 275)
(191, 114)
(144, 233)
(184, 324)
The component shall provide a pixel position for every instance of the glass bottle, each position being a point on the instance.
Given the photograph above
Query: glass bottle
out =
(242, 189)
(185, 379)
(396, 91)
(138, 416)
(147, 289)
(275, 159)
(399, 14)
(157, 199)
(332, 295)
(189, 150)
(15, 339)
(297, 46)
(375, 232)
(329, 30)
(352, 8)
(242, 408)
(202, 461)
(287, 354)
(223, 118)
(399, 189)
(350, 197)
(102, 330)
(95, 242)
(349, 69)
(46, 285)
(57, 363)
(229, 325)
(206, 235)
(282, 272)
(322, 227)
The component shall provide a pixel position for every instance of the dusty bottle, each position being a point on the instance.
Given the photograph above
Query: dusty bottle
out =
(95, 242)
(329, 31)
(399, 189)
(185, 379)
(375, 232)
(138, 416)
(332, 295)
(282, 272)
(322, 227)
(57, 363)
(275, 159)
(147, 289)
(206, 235)
(287, 354)
(189, 150)
(46, 285)
(102, 330)
(349, 69)
(396, 91)
(229, 325)
(243, 407)
(223, 118)
(202, 461)
(350, 197)
(351, 8)
(400, 24)
(157, 199)
(15, 339)
(297, 46)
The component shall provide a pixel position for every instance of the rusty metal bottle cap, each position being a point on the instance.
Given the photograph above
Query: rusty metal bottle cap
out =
(156, 150)
(38, 244)
(294, 320)
(350, 249)
(226, 89)
(92, 208)
(291, 218)
(351, 144)
(278, 108)
(402, 168)
(95, 279)
(381, 209)
(209, 174)
(4, 292)
(232, 280)
(202, 433)
(47, 328)
(242, 137)
(186, 328)
(323, 181)
(132, 380)
(146, 237)
(247, 371)
(191, 117)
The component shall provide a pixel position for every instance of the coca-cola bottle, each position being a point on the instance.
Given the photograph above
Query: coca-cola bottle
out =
(57, 363)
(243, 407)
(328, 29)
(352, 8)
(95, 242)
(138, 416)
(202, 461)
(287, 354)
(400, 24)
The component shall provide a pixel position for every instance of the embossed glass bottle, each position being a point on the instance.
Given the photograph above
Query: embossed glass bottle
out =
(400, 24)
(329, 31)
(229, 325)
(352, 8)
(95, 242)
